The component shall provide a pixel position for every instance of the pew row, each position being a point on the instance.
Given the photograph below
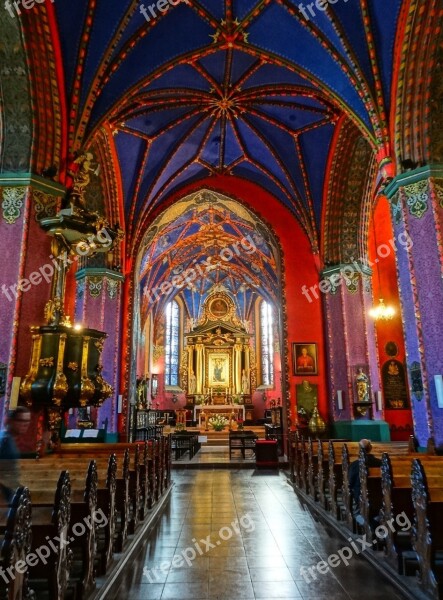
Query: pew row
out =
(400, 504)
(113, 494)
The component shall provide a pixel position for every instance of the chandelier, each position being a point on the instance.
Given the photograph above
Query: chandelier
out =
(382, 312)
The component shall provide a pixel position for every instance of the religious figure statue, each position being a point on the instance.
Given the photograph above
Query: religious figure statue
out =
(362, 386)
(192, 382)
(81, 172)
(244, 383)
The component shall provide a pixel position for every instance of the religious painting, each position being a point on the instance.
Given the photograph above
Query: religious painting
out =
(304, 358)
(395, 389)
(218, 307)
(306, 395)
(219, 370)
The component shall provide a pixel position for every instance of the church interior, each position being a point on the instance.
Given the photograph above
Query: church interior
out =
(221, 363)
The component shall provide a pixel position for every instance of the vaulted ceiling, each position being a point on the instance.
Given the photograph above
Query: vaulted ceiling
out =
(251, 88)
(207, 242)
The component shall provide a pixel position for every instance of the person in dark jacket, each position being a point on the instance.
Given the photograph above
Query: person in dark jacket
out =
(17, 425)
(354, 478)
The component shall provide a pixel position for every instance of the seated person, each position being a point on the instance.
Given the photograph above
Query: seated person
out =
(354, 478)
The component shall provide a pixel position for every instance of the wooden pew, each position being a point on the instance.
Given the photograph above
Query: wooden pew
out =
(122, 496)
(15, 535)
(427, 531)
(41, 474)
(371, 483)
(339, 481)
(49, 524)
(397, 499)
(83, 506)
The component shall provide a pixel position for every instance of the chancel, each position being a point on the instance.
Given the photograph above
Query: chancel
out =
(221, 361)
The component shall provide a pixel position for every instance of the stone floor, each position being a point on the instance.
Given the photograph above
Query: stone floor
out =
(242, 534)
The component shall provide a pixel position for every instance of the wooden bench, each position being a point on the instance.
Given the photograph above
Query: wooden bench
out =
(83, 507)
(50, 522)
(15, 540)
(242, 441)
(427, 531)
(397, 499)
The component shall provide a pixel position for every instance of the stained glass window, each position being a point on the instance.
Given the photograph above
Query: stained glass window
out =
(267, 343)
(172, 345)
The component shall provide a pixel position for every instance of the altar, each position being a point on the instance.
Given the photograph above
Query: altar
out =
(219, 409)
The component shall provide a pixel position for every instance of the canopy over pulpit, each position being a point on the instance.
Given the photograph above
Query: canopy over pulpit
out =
(218, 353)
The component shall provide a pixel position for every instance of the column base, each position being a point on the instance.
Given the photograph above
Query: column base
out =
(377, 431)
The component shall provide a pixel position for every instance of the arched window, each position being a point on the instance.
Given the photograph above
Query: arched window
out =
(172, 343)
(267, 343)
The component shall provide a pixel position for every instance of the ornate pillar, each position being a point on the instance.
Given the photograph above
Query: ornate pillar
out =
(246, 354)
(99, 306)
(238, 347)
(26, 275)
(190, 350)
(351, 343)
(416, 201)
(200, 374)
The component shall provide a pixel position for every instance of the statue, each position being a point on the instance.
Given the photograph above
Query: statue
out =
(192, 382)
(81, 174)
(362, 386)
(244, 383)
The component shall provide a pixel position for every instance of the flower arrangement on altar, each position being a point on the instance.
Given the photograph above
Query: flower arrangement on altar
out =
(218, 422)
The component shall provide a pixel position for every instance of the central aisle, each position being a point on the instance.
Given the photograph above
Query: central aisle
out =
(261, 536)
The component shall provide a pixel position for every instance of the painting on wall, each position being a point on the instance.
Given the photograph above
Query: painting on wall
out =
(306, 395)
(219, 369)
(304, 358)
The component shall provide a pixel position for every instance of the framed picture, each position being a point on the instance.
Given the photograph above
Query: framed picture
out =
(304, 358)
(219, 370)
(218, 308)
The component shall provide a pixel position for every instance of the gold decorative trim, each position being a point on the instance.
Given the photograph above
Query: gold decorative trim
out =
(26, 385)
(45, 205)
(87, 388)
(60, 388)
(47, 362)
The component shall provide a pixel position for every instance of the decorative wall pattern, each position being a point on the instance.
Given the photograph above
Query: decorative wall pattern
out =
(15, 101)
(12, 203)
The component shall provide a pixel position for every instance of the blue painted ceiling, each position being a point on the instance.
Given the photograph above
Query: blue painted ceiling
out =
(244, 87)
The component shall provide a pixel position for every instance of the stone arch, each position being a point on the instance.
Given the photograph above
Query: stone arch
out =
(417, 115)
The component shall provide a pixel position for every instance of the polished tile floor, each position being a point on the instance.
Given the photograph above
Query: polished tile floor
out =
(234, 534)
